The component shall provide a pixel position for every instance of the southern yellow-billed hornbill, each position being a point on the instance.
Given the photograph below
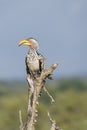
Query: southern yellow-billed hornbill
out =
(35, 62)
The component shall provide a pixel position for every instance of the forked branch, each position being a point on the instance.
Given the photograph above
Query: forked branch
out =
(33, 98)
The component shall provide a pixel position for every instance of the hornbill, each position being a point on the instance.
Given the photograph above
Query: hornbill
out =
(35, 62)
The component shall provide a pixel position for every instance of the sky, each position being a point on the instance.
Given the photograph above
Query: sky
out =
(60, 26)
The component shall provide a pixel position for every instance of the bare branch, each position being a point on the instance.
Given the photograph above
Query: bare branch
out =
(53, 123)
(52, 100)
(35, 87)
(21, 122)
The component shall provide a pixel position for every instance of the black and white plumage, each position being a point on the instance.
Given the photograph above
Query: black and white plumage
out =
(35, 62)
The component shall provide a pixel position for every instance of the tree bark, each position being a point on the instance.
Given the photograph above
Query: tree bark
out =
(39, 83)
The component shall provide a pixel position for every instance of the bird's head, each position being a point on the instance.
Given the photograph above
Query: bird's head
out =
(31, 42)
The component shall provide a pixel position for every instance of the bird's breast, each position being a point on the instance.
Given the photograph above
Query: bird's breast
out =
(34, 66)
(33, 62)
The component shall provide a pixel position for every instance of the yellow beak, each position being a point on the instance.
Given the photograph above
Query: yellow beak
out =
(25, 42)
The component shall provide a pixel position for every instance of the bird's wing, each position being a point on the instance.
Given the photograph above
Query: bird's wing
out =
(27, 68)
(29, 76)
(42, 61)
(42, 67)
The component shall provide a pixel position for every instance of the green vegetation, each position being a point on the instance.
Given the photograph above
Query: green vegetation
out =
(69, 109)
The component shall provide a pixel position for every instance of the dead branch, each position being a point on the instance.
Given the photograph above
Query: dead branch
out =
(53, 123)
(33, 99)
(21, 122)
(52, 100)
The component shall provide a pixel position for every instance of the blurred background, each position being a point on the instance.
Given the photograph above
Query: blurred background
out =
(60, 28)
